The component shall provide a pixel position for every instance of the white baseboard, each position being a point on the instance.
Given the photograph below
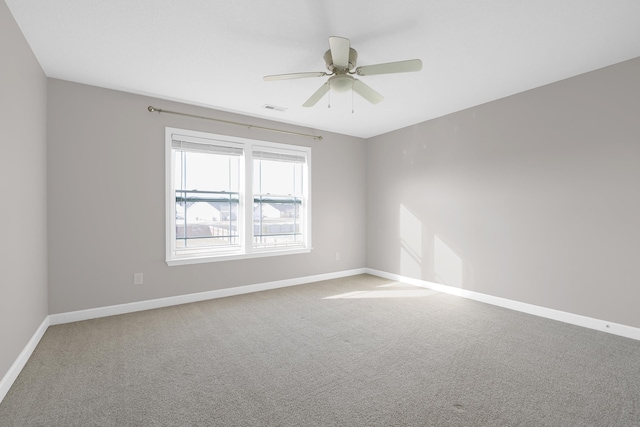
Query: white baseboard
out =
(94, 313)
(549, 313)
(9, 378)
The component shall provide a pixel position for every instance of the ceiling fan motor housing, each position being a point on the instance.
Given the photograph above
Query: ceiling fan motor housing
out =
(353, 59)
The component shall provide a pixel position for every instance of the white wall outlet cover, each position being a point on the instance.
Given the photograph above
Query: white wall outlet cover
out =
(138, 279)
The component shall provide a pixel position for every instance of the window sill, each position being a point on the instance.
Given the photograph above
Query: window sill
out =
(230, 257)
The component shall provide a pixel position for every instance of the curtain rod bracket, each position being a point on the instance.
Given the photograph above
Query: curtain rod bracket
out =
(153, 109)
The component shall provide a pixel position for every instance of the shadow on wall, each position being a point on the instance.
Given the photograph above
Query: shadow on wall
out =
(447, 264)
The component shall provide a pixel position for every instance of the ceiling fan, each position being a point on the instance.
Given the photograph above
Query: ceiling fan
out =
(341, 62)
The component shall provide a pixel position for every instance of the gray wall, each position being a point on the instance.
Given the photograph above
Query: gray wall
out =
(107, 201)
(23, 212)
(534, 197)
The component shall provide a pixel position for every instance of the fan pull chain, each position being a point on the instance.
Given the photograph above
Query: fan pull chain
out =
(352, 99)
(329, 101)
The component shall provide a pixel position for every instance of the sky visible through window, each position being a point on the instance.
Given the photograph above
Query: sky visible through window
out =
(207, 172)
(215, 172)
(277, 178)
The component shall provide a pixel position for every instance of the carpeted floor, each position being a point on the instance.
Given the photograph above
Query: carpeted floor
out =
(358, 351)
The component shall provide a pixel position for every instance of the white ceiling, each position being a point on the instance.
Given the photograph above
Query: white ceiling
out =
(215, 52)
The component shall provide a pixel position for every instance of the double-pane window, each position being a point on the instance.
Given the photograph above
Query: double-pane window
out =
(230, 198)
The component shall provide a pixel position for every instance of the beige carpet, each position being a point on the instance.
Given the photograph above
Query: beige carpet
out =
(359, 351)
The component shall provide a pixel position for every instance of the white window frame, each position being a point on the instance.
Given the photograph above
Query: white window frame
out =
(245, 208)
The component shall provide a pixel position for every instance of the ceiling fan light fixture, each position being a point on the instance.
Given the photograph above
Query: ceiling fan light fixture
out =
(341, 83)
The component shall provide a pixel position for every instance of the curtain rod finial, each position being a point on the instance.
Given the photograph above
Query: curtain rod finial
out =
(152, 109)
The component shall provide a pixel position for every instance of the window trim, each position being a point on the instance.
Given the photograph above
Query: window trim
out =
(245, 208)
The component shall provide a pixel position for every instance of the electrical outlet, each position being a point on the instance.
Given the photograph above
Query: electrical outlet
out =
(138, 279)
(337, 256)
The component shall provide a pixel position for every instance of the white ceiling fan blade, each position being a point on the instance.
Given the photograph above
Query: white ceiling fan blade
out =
(313, 100)
(294, 76)
(390, 67)
(339, 51)
(366, 92)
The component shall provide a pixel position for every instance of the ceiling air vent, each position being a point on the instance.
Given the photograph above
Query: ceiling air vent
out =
(274, 108)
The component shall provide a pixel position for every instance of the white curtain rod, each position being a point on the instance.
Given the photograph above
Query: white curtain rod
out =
(158, 110)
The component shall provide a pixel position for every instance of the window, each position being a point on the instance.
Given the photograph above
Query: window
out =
(233, 198)
(277, 199)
